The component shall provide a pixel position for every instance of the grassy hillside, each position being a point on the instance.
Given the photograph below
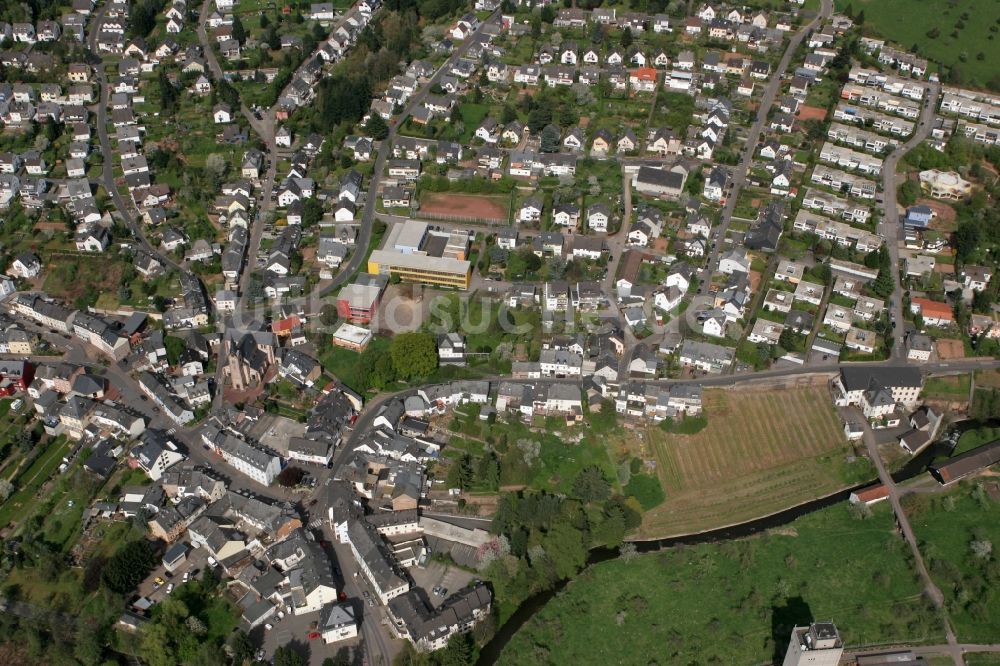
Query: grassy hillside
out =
(962, 33)
(959, 534)
(734, 603)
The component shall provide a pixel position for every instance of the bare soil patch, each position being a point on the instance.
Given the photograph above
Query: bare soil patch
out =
(949, 349)
(811, 113)
(448, 205)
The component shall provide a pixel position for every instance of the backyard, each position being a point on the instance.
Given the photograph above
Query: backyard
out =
(761, 452)
(735, 602)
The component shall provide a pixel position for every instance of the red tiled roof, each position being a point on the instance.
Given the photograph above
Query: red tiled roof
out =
(872, 494)
(286, 324)
(934, 309)
(644, 74)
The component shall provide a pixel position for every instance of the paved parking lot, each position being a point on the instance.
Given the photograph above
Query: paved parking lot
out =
(436, 573)
(197, 560)
(294, 630)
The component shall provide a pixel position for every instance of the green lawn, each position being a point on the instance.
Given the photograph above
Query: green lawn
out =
(973, 438)
(472, 116)
(948, 388)
(982, 659)
(947, 528)
(963, 31)
(343, 363)
(30, 480)
(64, 507)
(734, 603)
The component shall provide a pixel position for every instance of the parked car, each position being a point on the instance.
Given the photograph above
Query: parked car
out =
(170, 588)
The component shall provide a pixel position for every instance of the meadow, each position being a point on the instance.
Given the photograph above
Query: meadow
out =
(958, 33)
(735, 602)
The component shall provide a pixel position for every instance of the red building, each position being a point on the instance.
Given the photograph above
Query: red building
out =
(18, 373)
(358, 302)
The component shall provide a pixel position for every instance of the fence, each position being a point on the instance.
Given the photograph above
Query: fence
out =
(444, 217)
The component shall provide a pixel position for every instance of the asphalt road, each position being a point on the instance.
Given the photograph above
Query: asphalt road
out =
(738, 177)
(384, 150)
(264, 127)
(890, 227)
(109, 155)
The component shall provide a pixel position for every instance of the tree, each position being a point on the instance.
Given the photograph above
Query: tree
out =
(564, 548)
(286, 656)
(272, 39)
(241, 647)
(413, 354)
(508, 114)
(175, 347)
(968, 237)
(25, 440)
(376, 127)
(626, 38)
(128, 566)
(787, 339)
(611, 530)
(459, 651)
(539, 117)
(460, 473)
(6, 489)
(328, 316)
(215, 165)
(239, 32)
(549, 140)
(884, 285)
(591, 485)
(981, 549)
(908, 193)
(489, 471)
(342, 658)
(982, 300)
(290, 477)
(168, 93)
(312, 212)
(228, 94)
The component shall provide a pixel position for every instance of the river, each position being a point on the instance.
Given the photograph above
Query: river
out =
(490, 653)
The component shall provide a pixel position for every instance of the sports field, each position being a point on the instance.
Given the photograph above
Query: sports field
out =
(951, 32)
(761, 452)
(471, 207)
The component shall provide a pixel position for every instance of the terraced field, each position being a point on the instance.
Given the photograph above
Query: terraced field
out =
(762, 451)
